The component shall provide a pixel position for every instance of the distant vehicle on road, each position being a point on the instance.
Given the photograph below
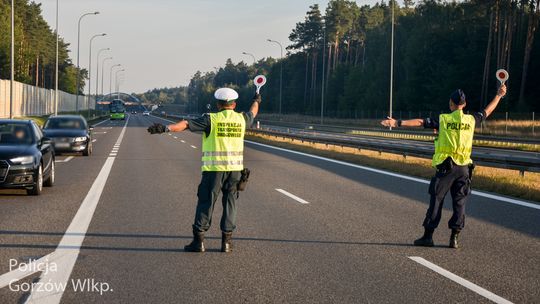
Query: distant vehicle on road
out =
(134, 112)
(117, 109)
(26, 157)
(146, 113)
(69, 133)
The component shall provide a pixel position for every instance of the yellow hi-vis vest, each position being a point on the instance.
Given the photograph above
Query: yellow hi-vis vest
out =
(455, 140)
(223, 148)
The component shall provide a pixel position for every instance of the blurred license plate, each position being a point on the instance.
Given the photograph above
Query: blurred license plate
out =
(61, 145)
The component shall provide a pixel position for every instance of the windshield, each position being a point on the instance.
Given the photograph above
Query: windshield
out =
(65, 123)
(15, 134)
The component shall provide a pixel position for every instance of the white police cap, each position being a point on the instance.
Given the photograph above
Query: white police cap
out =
(226, 94)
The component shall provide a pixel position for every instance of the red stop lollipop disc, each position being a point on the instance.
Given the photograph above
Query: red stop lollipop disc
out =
(502, 75)
(259, 82)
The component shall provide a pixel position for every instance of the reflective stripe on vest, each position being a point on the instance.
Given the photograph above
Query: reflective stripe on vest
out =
(223, 148)
(455, 139)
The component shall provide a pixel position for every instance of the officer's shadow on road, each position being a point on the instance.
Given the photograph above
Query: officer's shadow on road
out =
(169, 237)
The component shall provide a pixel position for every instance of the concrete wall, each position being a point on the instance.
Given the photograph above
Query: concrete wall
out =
(32, 101)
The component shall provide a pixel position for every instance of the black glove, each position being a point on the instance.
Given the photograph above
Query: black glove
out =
(257, 98)
(157, 128)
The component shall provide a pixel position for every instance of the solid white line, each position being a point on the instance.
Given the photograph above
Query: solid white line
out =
(193, 147)
(68, 249)
(414, 179)
(461, 281)
(294, 197)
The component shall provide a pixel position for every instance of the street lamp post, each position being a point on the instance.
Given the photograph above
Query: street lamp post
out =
(392, 64)
(116, 84)
(97, 68)
(280, 73)
(103, 72)
(56, 66)
(252, 56)
(12, 59)
(78, 53)
(90, 71)
(110, 77)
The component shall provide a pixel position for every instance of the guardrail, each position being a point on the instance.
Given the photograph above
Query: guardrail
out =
(525, 162)
(521, 163)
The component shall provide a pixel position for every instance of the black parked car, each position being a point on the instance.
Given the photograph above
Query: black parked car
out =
(69, 133)
(26, 157)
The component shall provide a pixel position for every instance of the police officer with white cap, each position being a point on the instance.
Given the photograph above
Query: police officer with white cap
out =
(452, 159)
(222, 163)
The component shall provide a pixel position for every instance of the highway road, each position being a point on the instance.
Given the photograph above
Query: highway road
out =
(310, 230)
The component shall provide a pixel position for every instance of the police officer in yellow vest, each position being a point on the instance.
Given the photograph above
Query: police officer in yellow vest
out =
(222, 163)
(452, 159)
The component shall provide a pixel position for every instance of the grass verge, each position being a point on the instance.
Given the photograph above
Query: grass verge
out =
(501, 181)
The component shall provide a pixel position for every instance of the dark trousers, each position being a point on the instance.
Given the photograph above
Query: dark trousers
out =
(212, 183)
(456, 180)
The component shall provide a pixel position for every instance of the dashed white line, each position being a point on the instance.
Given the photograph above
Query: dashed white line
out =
(414, 179)
(64, 160)
(182, 140)
(294, 197)
(461, 281)
(193, 147)
(94, 140)
(175, 137)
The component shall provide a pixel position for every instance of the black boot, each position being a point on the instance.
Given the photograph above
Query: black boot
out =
(197, 245)
(226, 242)
(454, 239)
(426, 240)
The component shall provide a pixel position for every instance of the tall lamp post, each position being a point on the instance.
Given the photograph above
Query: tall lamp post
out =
(392, 64)
(97, 68)
(110, 77)
(280, 73)
(90, 72)
(56, 66)
(116, 84)
(103, 72)
(252, 56)
(78, 57)
(12, 59)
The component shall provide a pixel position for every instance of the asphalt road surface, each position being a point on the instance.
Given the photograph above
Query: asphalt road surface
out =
(309, 231)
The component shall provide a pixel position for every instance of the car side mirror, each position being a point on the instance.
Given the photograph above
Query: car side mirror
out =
(46, 141)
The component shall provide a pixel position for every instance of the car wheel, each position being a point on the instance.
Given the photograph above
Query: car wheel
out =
(88, 149)
(38, 187)
(50, 181)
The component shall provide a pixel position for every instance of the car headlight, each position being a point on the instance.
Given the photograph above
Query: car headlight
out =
(79, 139)
(22, 160)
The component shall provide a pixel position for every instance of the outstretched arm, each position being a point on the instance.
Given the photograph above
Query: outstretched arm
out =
(179, 127)
(255, 105)
(495, 102)
(390, 122)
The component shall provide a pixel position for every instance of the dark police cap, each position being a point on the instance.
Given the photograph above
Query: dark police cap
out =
(458, 97)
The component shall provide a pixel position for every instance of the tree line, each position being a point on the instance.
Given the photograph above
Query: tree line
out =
(35, 49)
(343, 55)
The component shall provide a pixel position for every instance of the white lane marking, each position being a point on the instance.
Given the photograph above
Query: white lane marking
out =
(294, 197)
(94, 140)
(101, 122)
(104, 132)
(113, 155)
(461, 281)
(69, 247)
(182, 140)
(414, 179)
(65, 160)
(193, 147)
(175, 137)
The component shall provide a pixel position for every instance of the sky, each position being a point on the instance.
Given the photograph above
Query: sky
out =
(162, 43)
